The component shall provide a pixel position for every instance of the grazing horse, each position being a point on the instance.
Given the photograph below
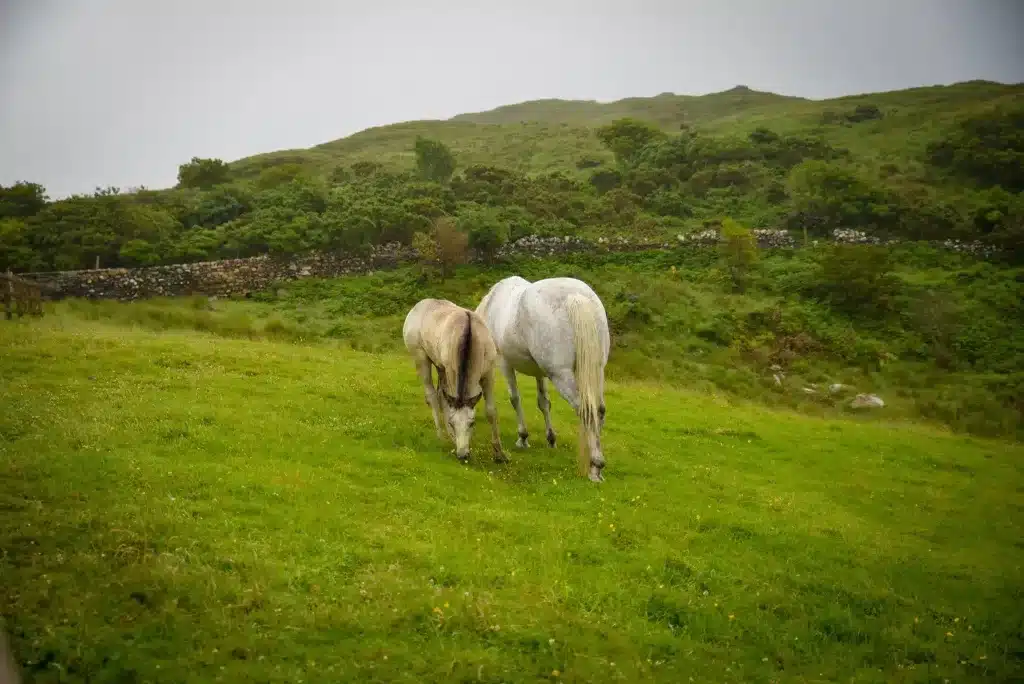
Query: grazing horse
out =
(456, 341)
(554, 328)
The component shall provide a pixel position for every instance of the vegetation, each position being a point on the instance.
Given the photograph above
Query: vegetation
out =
(933, 332)
(922, 164)
(940, 331)
(181, 507)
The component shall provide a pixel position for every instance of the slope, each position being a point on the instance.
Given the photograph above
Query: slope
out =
(549, 135)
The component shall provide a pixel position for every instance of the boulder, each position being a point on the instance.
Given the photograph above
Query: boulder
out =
(867, 401)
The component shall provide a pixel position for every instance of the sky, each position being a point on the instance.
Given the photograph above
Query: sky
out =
(99, 93)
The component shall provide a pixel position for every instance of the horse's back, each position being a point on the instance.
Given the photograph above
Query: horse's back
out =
(558, 289)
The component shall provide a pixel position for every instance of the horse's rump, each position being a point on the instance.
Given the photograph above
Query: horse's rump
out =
(456, 341)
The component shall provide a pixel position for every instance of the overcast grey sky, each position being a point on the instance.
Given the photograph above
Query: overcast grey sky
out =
(119, 92)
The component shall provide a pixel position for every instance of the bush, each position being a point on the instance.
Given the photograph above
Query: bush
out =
(739, 251)
(987, 148)
(485, 230)
(855, 280)
(452, 245)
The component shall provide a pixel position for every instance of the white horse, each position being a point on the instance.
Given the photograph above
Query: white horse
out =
(554, 328)
(456, 341)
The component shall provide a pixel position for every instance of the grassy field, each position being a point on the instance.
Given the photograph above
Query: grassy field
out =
(676, 320)
(181, 506)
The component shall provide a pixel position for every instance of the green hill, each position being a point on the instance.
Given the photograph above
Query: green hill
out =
(552, 134)
(921, 163)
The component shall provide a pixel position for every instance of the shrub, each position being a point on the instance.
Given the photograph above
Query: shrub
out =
(452, 245)
(739, 251)
(855, 280)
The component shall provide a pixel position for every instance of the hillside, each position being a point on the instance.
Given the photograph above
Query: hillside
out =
(550, 135)
(926, 163)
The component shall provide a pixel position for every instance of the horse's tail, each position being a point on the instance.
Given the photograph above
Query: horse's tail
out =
(589, 366)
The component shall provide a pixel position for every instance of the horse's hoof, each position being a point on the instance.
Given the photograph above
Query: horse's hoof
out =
(500, 457)
(522, 443)
(551, 438)
(595, 475)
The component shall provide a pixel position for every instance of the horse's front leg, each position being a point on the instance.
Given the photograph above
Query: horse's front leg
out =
(487, 385)
(517, 404)
(425, 370)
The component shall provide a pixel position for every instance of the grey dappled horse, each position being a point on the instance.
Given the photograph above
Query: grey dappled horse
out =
(456, 341)
(554, 328)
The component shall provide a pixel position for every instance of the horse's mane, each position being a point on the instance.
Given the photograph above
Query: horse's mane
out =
(465, 354)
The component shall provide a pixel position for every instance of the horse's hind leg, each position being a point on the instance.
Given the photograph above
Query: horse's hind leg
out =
(517, 404)
(544, 404)
(565, 383)
(591, 459)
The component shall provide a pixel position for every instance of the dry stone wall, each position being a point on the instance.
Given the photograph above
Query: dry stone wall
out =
(226, 277)
(241, 276)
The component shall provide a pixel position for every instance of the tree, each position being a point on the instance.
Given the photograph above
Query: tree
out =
(139, 253)
(434, 161)
(222, 204)
(827, 196)
(21, 200)
(604, 180)
(625, 138)
(856, 280)
(426, 246)
(16, 251)
(486, 232)
(988, 148)
(739, 249)
(203, 173)
(445, 245)
(273, 176)
(366, 168)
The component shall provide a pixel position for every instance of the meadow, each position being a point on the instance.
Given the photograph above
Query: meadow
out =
(942, 350)
(203, 490)
(183, 505)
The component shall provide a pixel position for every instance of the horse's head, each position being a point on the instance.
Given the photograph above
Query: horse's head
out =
(460, 416)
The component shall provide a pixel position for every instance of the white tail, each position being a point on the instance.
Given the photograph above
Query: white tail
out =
(589, 367)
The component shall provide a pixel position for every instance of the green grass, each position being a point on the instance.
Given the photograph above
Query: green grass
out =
(675, 319)
(182, 506)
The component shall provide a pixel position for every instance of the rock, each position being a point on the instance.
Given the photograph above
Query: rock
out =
(810, 390)
(837, 387)
(778, 379)
(867, 401)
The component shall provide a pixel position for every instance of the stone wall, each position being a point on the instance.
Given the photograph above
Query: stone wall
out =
(222, 278)
(241, 276)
